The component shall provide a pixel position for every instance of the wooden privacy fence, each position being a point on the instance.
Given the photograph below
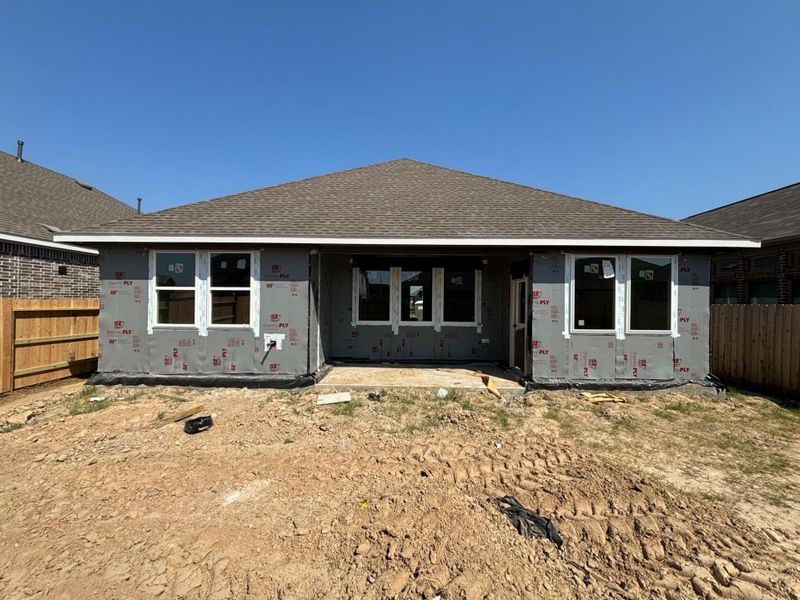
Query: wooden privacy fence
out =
(44, 340)
(757, 345)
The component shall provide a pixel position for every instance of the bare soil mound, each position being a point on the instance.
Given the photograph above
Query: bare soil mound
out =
(385, 499)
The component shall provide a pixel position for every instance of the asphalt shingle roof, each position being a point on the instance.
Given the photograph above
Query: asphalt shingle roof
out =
(404, 199)
(770, 216)
(32, 197)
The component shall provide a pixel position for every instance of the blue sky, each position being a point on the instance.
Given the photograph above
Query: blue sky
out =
(666, 107)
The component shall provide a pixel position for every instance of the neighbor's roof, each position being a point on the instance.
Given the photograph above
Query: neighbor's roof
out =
(401, 202)
(35, 201)
(769, 216)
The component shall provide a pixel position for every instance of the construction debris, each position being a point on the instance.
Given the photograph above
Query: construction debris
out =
(487, 381)
(180, 415)
(198, 424)
(527, 522)
(336, 398)
(442, 393)
(598, 397)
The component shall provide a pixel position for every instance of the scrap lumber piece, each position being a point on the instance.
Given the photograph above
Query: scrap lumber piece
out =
(336, 398)
(180, 415)
(487, 381)
(598, 397)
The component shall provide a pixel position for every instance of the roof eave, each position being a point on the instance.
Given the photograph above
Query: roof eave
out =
(354, 241)
(57, 245)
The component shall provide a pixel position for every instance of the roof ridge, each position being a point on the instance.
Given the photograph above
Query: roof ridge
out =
(778, 189)
(258, 189)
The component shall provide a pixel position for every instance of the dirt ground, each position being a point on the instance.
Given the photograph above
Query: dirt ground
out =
(660, 496)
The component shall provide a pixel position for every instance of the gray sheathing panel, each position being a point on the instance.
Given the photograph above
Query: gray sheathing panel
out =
(692, 344)
(378, 342)
(284, 309)
(314, 332)
(646, 357)
(592, 357)
(126, 347)
(583, 357)
(123, 345)
(325, 310)
(549, 348)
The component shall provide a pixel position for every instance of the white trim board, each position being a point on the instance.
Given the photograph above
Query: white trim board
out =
(18, 239)
(459, 242)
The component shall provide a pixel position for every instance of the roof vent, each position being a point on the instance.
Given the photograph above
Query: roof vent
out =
(51, 228)
(20, 144)
(83, 185)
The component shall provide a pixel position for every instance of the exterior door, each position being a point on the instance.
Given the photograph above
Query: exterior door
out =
(518, 313)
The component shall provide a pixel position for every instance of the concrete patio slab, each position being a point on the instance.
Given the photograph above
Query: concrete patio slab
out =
(371, 376)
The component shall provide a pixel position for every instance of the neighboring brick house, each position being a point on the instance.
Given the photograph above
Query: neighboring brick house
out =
(770, 274)
(35, 203)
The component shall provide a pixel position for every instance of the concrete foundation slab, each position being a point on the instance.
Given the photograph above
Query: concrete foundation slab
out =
(370, 376)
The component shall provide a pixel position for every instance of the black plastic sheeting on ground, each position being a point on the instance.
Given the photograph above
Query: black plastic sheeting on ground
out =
(614, 384)
(281, 382)
(527, 522)
(198, 424)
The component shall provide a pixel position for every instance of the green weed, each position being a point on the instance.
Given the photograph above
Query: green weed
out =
(7, 427)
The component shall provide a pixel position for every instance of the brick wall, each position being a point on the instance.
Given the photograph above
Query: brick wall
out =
(786, 272)
(33, 272)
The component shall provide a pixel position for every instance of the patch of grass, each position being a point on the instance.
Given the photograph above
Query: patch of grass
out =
(467, 405)
(398, 404)
(764, 463)
(665, 414)
(288, 440)
(7, 427)
(712, 496)
(346, 409)
(686, 408)
(160, 416)
(425, 424)
(623, 423)
(565, 425)
(79, 404)
(134, 396)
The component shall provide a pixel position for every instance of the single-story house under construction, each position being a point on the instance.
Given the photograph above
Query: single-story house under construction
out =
(403, 261)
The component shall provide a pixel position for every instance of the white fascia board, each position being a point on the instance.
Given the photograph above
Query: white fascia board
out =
(18, 239)
(229, 239)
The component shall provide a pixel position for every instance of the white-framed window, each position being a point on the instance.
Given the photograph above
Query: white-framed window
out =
(416, 296)
(651, 290)
(425, 296)
(230, 289)
(202, 289)
(461, 297)
(174, 281)
(372, 296)
(593, 297)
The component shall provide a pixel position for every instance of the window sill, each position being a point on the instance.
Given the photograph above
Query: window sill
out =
(416, 324)
(174, 326)
(242, 326)
(458, 324)
(385, 323)
(593, 332)
(648, 332)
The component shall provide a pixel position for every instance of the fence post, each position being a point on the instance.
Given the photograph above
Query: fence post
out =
(6, 346)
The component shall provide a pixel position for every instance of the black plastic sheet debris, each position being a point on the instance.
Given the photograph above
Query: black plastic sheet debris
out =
(528, 523)
(197, 425)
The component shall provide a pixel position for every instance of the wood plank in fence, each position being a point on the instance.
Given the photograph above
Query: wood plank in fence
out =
(757, 345)
(46, 339)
